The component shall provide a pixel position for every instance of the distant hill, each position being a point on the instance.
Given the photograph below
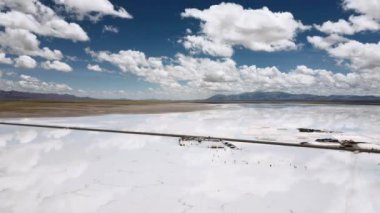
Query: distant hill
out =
(16, 95)
(282, 96)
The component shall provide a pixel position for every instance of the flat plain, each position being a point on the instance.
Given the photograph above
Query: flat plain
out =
(11, 109)
(45, 169)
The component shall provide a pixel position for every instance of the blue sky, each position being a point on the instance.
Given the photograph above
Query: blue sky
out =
(189, 49)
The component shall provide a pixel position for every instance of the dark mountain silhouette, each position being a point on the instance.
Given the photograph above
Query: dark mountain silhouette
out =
(282, 96)
(243, 97)
(16, 95)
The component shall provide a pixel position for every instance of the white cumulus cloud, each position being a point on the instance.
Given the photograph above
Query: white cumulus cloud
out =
(86, 7)
(26, 62)
(200, 44)
(231, 25)
(325, 42)
(168, 72)
(368, 20)
(4, 59)
(360, 56)
(56, 65)
(195, 77)
(23, 42)
(135, 62)
(370, 8)
(40, 19)
(28, 83)
(354, 25)
(95, 67)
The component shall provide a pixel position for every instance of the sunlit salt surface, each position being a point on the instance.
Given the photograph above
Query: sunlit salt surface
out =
(44, 170)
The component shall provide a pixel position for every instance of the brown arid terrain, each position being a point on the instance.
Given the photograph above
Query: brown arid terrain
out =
(18, 109)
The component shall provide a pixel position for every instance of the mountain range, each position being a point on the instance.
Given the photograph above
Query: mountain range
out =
(282, 96)
(243, 97)
(16, 95)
